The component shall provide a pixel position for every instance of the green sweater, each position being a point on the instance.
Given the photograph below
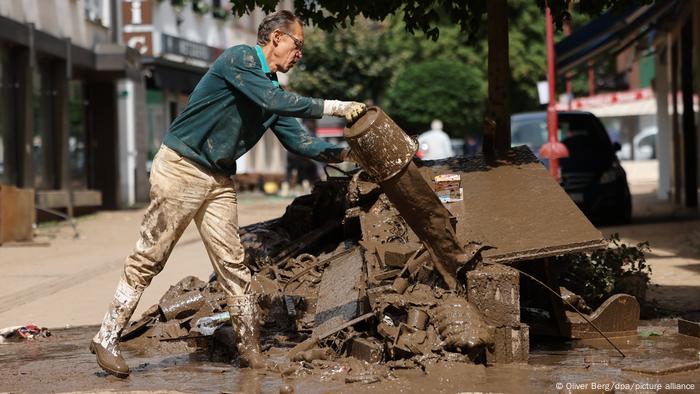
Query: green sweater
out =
(233, 105)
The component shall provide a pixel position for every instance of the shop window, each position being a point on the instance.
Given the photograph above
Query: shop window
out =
(8, 161)
(97, 11)
(42, 139)
(77, 135)
(155, 112)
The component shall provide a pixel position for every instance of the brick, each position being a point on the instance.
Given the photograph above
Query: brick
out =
(397, 254)
(367, 349)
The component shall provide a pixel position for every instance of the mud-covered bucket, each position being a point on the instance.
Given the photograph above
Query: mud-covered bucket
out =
(379, 146)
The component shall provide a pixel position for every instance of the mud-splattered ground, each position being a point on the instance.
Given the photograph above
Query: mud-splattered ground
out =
(62, 363)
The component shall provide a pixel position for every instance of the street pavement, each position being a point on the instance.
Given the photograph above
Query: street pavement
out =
(674, 235)
(70, 282)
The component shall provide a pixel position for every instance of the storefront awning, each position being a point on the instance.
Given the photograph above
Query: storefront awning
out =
(626, 103)
(611, 33)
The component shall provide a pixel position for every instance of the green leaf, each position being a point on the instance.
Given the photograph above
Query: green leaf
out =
(425, 16)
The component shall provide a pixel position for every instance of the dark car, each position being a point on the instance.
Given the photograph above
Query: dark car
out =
(591, 175)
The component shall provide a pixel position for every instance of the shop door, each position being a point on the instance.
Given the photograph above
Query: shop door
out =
(77, 137)
(43, 149)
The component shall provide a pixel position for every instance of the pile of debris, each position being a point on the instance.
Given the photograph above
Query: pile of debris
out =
(385, 265)
(343, 276)
(339, 274)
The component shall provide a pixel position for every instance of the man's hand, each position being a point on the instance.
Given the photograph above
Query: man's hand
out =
(350, 110)
(354, 112)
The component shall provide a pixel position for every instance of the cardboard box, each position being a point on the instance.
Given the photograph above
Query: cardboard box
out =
(448, 187)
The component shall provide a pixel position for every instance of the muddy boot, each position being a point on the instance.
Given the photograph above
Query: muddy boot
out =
(243, 310)
(105, 344)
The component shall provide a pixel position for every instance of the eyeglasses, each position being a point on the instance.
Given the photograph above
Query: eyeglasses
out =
(297, 42)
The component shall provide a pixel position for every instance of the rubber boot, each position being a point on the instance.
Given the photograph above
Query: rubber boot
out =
(243, 310)
(105, 344)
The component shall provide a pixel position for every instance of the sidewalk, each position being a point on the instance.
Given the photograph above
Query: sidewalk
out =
(71, 281)
(674, 235)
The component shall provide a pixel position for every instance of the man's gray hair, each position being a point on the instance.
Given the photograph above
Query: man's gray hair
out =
(282, 20)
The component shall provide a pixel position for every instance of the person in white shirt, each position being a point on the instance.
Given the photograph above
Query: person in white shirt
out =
(435, 144)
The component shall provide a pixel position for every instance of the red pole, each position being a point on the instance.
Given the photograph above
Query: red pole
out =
(569, 90)
(553, 149)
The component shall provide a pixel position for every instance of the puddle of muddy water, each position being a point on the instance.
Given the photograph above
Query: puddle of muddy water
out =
(63, 363)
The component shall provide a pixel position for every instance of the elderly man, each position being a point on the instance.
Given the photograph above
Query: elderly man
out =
(235, 102)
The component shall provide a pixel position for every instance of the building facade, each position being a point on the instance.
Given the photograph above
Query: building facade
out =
(88, 88)
(657, 48)
(178, 41)
(58, 67)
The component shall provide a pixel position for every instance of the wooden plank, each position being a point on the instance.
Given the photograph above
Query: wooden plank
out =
(515, 206)
(60, 198)
(339, 293)
(52, 199)
(87, 198)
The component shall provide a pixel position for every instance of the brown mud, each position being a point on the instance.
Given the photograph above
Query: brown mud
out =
(359, 291)
(514, 206)
(62, 363)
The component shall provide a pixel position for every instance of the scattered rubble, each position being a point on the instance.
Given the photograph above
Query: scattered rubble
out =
(358, 283)
(347, 286)
(21, 333)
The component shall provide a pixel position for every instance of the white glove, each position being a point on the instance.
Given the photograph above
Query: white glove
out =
(351, 110)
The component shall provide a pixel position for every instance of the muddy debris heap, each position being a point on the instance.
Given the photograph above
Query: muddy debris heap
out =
(339, 274)
(366, 266)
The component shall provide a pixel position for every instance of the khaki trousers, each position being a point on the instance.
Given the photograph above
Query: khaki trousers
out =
(182, 190)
